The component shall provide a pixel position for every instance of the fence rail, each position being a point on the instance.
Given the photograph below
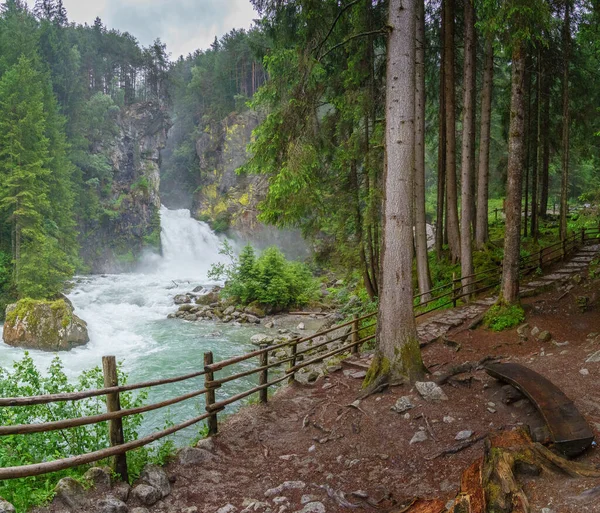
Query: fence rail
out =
(351, 339)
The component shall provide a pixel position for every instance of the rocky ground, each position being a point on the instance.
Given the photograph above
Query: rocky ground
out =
(317, 447)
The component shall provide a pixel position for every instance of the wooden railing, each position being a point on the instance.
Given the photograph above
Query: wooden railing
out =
(355, 333)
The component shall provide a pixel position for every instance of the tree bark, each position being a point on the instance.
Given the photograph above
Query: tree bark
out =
(467, 167)
(516, 157)
(564, 183)
(450, 98)
(537, 152)
(441, 178)
(483, 174)
(398, 352)
(528, 146)
(424, 278)
(545, 169)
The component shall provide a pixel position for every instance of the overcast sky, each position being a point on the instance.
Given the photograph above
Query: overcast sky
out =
(184, 25)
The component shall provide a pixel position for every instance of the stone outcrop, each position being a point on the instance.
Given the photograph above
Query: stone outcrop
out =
(131, 219)
(45, 325)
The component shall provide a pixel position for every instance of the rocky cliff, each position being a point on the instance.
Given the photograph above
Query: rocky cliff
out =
(229, 201)
(130, 222)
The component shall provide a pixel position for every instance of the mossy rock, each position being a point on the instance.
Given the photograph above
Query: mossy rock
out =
(44, 325)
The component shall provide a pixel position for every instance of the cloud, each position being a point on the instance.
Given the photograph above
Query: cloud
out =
(184, 25)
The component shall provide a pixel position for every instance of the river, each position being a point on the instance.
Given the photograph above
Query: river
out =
(126, 316)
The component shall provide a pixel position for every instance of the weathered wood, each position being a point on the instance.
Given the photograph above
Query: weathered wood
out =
(263, 378)
(115, 426)
(213, 427)
(21, 429)
(83, 459)
(294, 350)
(77, 396)
(355, 334)
(330, 353)
(569, 431)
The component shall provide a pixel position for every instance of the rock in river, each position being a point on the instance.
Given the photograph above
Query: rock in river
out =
(45, 325)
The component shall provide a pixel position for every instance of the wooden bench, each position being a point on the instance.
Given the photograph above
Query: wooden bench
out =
(569, 431)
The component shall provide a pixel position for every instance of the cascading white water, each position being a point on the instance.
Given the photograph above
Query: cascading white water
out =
(126, 316)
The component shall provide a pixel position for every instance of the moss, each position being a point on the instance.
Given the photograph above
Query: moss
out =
(379, 367)
(411, 361)
(25, 308)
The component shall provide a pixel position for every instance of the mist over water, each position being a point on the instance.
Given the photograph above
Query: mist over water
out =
(126, 316)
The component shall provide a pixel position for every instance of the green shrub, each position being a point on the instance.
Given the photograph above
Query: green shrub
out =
(269, 279)
(15, 450)
(503, 317)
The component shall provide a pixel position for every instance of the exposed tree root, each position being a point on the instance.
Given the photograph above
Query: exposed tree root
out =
(491, 484)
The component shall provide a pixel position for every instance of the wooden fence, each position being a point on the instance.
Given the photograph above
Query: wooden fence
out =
(300, 354)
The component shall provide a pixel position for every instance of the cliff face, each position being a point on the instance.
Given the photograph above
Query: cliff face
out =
(229, 201)
(225, 199)
(131, 218)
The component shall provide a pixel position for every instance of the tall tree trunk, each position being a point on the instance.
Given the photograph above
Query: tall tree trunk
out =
(564, 183)
(528, 147)
(536, 152)
(483, 174)
(545, 129)
(420, 217)
(467, 178)
(441, 177)
(450, 97)
(398, 352)
(514, 191)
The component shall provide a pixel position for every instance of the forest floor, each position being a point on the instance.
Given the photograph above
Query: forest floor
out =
(344, 457)
(314, 449)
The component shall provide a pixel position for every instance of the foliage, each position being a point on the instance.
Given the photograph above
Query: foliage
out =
(269, 279)
(502, 317)
(25, 379)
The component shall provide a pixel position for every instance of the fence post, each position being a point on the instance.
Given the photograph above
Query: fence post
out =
(294, 350)
(355, 338)
(454, 290)
(209, 377)
(263, 378)
(115, 426)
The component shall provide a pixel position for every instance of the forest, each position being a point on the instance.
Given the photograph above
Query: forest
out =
(412, 145)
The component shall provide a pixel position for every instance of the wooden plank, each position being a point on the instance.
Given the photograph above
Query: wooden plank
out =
(569, 431)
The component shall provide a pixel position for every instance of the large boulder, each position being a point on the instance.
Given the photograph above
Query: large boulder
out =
(45, 325)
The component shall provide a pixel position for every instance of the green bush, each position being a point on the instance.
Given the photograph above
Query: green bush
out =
(269, 279)
(15, 450)
(503, 317)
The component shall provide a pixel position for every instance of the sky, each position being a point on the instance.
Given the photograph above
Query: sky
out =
(184, 25)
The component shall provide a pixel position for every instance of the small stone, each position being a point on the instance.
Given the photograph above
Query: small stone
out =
(491, 410)
(155, 476)
(146, 494)
(194, 456)
(584, 372)
(535, 331)
(208, 444)
(463, 435)
(313, 507)
(98, 477)
(112, 505)
(269, 324)
(282, 500)
(560, 344)
(361, 494)
(71, 493)
(286, 485)
(419, 436)
(448, 419)
(403, 404)
(358, 374)
(307, 498)
(594, 358)
(544, 336)
(121, 491)
(191, 509)
(491, 405)
(6, 507)
(287, 457)
(312, 448)
(523, 330)
(140, 510)
(301, 326)
(407, 416)
(430, 391)
(228, 508)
